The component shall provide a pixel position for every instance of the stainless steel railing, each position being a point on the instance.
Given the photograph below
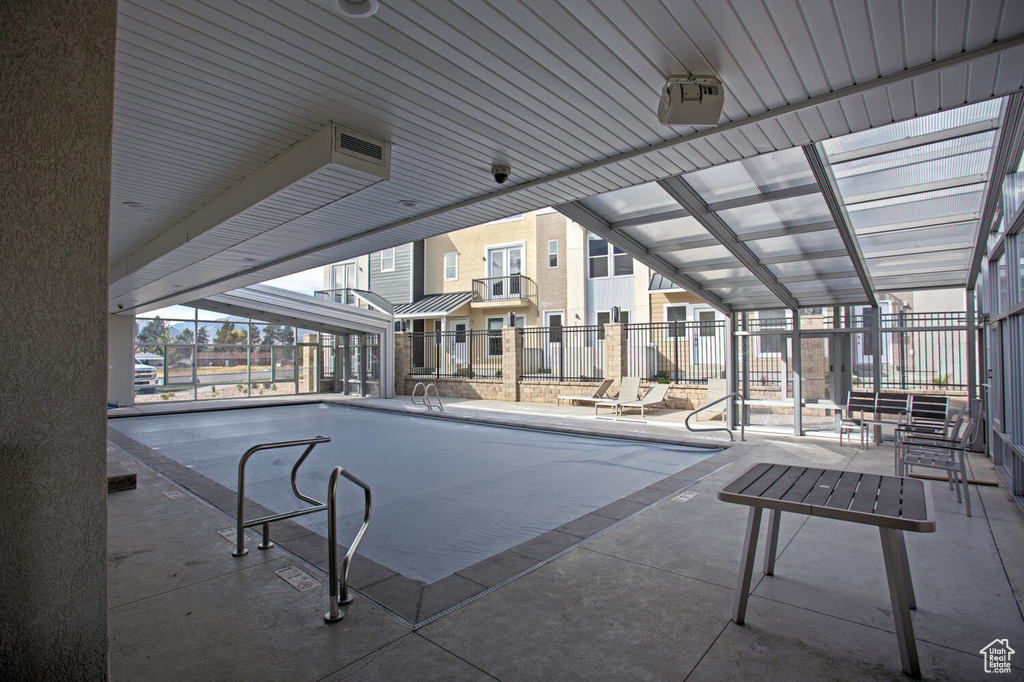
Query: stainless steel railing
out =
(700, 409)
(339, 584)
(265, 521)
(338, 589)
(426, 401)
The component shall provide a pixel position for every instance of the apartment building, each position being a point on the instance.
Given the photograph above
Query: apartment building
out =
(533, 269)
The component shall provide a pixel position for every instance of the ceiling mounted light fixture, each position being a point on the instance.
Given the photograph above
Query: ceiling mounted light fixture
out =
(133, 204)
(408, 203)
(356, 9)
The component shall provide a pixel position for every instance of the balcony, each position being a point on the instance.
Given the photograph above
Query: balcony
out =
(503, 292)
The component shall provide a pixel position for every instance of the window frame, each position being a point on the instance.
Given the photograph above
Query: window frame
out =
(455, 265)
(612, 257)
(394, 259)
(553, 254)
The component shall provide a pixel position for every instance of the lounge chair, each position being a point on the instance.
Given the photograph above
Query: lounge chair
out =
(628, 391)
(600, 394)
(655, 396)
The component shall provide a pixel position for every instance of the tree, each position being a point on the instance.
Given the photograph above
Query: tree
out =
(227, 334)
(286, 336)
(156, 331)
(186, 336)
(254, 335)
(202, 336)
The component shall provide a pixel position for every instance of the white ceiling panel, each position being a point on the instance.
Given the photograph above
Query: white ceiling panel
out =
(208, 92)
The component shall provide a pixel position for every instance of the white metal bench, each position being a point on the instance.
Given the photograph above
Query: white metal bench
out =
(892, 503)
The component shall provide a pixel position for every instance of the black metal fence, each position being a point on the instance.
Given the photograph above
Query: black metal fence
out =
(677, 352)
(563, 353)
(463, 354)
(925, 351)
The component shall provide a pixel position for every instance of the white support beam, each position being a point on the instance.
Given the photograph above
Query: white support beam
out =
(818, 162)
(681, 191)
(591, 221)
(1007, 152)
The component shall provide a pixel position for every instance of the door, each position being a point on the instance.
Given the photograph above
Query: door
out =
(345, 278)
(457, 344)
(504, 264)
(707, 343)
(554, 355)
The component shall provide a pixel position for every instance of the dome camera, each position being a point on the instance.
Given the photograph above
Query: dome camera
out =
(501, 173)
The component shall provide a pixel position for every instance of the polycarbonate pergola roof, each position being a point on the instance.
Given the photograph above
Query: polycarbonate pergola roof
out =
(891, 208)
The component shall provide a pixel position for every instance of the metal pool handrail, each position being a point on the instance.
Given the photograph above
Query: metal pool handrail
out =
(242, 524)
(426, 396)
(720, 428)
(339, 585)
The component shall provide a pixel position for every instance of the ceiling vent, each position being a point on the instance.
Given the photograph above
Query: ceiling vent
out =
(691, 101)
(361, 152)
(276, 205)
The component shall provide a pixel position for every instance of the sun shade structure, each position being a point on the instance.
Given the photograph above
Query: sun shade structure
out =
(210, 96)
(827, 224)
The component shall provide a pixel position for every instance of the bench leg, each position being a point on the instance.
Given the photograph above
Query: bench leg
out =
(747, 565)
(897, 571)
(773, 542)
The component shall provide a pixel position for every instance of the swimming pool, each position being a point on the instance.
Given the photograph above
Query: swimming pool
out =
(447, 494)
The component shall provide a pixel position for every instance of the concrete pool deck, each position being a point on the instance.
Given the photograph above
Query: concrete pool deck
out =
(649, 598)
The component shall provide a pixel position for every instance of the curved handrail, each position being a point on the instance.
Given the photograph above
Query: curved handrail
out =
(240, 549)
(426, 396)
(339, 586)
(720, 428)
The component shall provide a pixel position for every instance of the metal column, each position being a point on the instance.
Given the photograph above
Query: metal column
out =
(731, 365)
(797, 362)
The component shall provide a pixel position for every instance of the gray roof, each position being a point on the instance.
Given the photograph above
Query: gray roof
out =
(434, 304)
(375, 300)
(660, 283)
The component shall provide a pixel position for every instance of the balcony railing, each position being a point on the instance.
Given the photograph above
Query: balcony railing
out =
(337, 296)
(507, 288)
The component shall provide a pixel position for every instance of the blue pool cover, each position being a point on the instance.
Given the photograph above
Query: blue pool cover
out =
(446, 494)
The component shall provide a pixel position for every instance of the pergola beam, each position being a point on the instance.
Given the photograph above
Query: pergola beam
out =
(575, 210)
(681, 191)
(834, 200)
(1007, 151)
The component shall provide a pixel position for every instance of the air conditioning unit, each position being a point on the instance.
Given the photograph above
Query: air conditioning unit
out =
(691, 101)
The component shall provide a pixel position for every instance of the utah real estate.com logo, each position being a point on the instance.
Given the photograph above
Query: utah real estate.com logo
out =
(997, 656)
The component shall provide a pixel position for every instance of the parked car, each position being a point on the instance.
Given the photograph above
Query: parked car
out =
(145, 378)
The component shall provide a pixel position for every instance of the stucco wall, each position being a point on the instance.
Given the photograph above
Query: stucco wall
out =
(56, 106)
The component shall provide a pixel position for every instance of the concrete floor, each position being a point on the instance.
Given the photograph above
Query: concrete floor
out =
(647, 599)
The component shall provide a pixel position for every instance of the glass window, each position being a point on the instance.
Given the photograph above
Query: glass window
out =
(707, 322)
(599, 252)
(494, 325)
(772, 319)
(553, 253)
(451, 267)
(624, 316)
(623, 262)
(676, 314)
(387, 260)
(602, 320)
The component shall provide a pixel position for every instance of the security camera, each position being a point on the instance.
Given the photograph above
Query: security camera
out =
(120, 306)
(501, 173)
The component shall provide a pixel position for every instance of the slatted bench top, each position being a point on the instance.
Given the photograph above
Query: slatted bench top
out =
(886, 501)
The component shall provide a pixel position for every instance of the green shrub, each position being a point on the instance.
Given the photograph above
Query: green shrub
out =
(663, 377)
(166, 396)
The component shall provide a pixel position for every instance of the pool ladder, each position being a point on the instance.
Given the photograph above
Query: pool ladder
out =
(731, 396)
(425, 400)
(338, 591)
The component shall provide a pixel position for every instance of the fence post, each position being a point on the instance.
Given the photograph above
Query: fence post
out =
(403, 360)
(616, 363)
(511, 362)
